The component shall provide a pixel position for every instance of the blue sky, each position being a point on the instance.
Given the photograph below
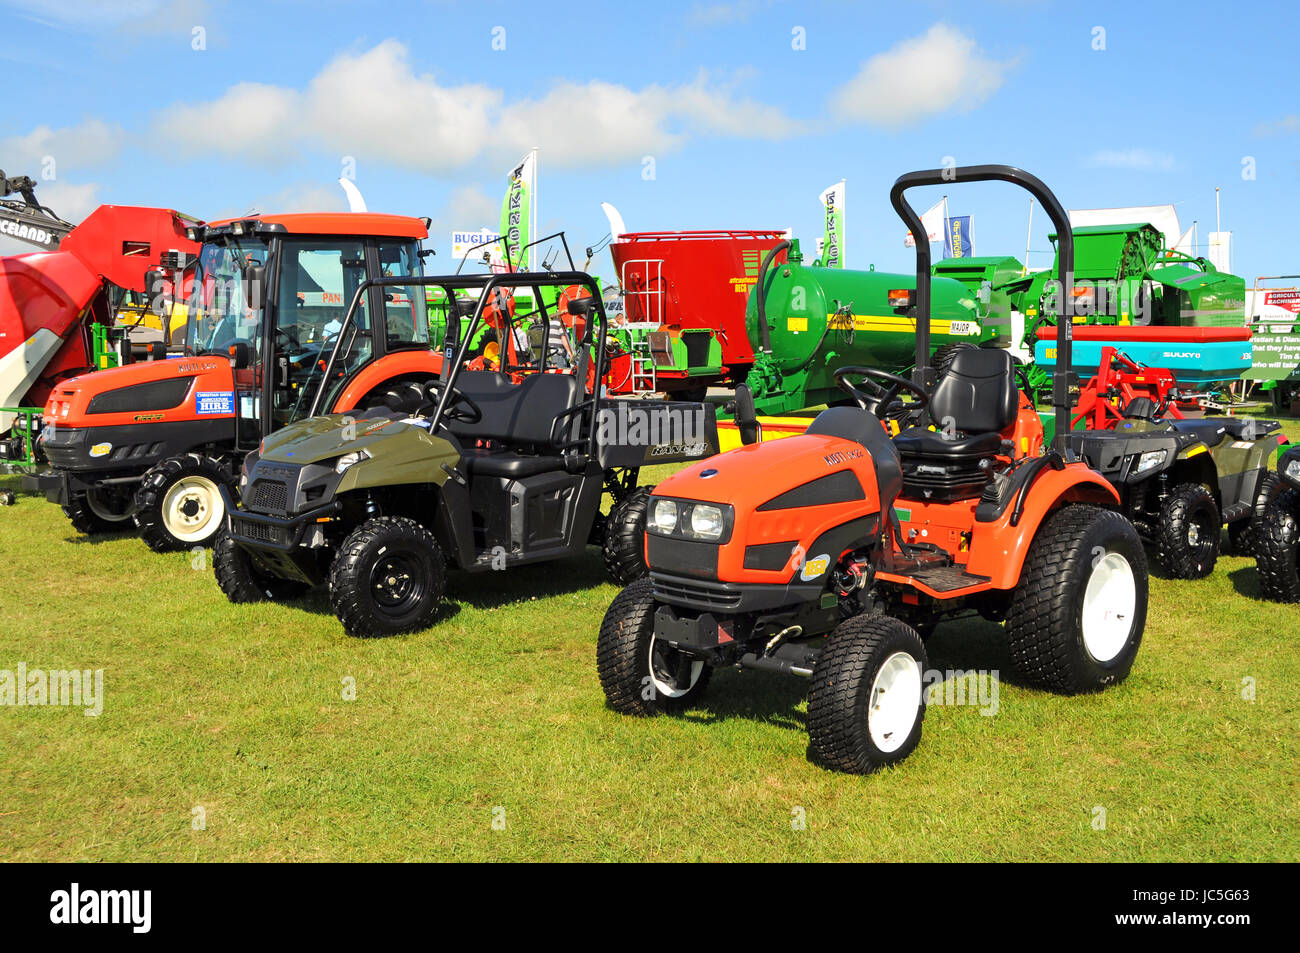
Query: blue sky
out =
(744, 129)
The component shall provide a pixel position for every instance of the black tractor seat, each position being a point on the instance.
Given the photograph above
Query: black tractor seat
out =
(918, 441)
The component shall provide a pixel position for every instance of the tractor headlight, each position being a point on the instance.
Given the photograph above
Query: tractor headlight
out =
(1293, 470)
(1150, 460)
(664, 518)
(350, 459)
(706, 521)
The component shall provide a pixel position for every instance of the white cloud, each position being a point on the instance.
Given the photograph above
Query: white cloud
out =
(374, 106)
(720, 14)
(1285, 126)
(137, 16)
(86, 144)
(924, 76)
(1140, 159)
(70, 202)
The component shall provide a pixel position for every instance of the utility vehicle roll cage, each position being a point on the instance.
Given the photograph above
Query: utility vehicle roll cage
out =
(456, 345)
(924, 375)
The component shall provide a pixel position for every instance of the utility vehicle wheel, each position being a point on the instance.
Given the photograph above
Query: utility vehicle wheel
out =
(1243, 535)
(1279, 547)
(389, 576)
(1078, 612)
(1188, 532)
(98, 511)
(640, 674)
(624, 546)
(867, 698)
(241, 579)
(179, 502)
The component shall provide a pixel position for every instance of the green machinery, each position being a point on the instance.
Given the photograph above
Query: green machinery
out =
(805, 322)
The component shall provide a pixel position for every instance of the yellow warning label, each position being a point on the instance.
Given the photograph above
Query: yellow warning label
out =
(796, 324)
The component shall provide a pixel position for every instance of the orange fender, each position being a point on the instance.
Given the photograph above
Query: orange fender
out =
(998, 549)
(401, 364)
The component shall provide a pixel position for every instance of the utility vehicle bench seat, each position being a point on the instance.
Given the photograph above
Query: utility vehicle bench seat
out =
(520, 416)
(503, 463)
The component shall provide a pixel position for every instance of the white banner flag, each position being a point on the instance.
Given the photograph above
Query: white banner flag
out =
(1220, 253)
(932, 221)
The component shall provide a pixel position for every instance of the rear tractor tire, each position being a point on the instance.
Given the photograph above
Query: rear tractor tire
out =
(867, 698)
(1188, 532)
(97, 511)
(1278, 552)
(1077, 614)
(624, 545)
(640, 674)
(243, 581)
(179, 504)
(388, 577)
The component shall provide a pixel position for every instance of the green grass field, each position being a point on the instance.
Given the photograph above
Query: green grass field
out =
(237, 716)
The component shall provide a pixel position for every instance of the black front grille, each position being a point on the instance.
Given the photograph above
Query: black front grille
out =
(269, 496)
(260, 532)
(697, 595)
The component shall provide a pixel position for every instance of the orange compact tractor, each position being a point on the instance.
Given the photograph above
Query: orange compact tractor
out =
(829, 554)
(154, 441)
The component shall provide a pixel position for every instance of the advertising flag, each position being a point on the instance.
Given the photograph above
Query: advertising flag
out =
(832, 250)
(933, 222)
(956, 237)
(515, 208)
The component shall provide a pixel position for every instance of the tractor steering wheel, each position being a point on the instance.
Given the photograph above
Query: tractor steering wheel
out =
(883, 388)
(459, 407)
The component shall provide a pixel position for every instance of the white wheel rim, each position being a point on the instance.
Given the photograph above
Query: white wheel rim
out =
(192, 508)
(103, 512)
(666, 688)
(1109, 604)
(895, 701)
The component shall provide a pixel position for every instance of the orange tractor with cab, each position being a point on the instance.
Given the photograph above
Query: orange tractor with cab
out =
(831, 554)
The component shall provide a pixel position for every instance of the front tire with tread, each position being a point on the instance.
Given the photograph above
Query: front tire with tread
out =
(242, 581)
(388, 577)
(1188, 532)
(1278, 547)
(624, 546)
(165, 523)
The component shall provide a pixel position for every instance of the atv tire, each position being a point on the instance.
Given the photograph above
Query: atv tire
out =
(90, 515)
(1189, 531)
(388, 577)
(1078, 611)
(179, 503)
(243, 581)
(1278, 541)
(867, 698)
(624, 545)
(1243, 535)
(640, 675)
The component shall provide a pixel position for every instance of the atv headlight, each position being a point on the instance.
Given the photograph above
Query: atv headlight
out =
(350, 459)
(1150, 460)
(1293, 470)
(664, 518)
(706, 521)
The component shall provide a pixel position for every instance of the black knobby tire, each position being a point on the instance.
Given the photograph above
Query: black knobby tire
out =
(942, 357)
(624, 545)
(165, 524)
(1075, 548)
(388, 577)
(89, 519)
(1189, 531)
(1243, 535)
(845, 707)
(624, 650)
(1278, 552)
(242, 580)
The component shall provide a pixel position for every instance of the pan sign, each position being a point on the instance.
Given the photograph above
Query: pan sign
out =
(214, 402)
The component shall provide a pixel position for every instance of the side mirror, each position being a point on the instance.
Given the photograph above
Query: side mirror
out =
(239, 355)
(255, 279)
(746, 417)
(157, 285)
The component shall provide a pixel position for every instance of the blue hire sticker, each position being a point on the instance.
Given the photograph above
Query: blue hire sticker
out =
(216, 402)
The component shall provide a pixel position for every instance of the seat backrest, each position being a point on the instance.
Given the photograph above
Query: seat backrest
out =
(865, 429)
(978, 394)
(519, 415)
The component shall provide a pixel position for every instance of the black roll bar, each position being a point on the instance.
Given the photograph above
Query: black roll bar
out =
(924, 374)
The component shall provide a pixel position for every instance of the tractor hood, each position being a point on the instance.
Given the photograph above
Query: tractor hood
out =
(388, 452)
(749, 477)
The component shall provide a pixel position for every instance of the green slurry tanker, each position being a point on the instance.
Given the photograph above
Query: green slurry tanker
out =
(804, 322)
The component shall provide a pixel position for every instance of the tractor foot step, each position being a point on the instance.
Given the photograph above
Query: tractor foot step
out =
(948, 578)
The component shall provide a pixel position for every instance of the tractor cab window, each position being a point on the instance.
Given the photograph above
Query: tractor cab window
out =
(317, 282)
(220, 313)
(407, 315)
